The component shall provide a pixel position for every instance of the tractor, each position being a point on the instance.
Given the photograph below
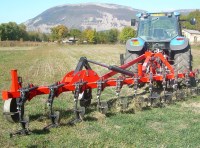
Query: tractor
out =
(160, 32)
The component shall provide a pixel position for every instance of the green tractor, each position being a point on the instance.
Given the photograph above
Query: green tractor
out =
(160, 32)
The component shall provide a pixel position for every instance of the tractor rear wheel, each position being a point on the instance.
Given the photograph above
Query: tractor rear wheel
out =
(183, 60)
(129, 56)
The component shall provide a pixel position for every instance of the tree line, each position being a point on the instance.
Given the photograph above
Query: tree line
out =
(92, 36)
(15, 32)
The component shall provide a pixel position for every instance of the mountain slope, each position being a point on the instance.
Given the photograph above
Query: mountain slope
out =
(81, 16)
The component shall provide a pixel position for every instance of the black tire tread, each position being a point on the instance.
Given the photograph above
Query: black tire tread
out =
(129, 56)
(183, 60)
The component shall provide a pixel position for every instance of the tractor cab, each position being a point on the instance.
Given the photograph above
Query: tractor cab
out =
(158, 26)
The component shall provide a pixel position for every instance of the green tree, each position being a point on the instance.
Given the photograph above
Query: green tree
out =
(45, 37)
(194, 14)
(13, 31)
(89, 35)
(9, 31)
(75, 33)
(23, 33)
(102, 37)
(34, 36)
(37, 36)
(59, 32)
(126, 33)
(113, 35)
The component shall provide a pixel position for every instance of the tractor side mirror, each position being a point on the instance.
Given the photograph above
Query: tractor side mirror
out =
(193, 21)
(133, 21)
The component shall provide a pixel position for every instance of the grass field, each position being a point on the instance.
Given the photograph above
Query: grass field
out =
(172, 126)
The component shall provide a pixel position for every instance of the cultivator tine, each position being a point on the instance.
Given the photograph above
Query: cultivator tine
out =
(198, 88)
(101, 106)
(187, 84)
(180, 95)
(99, 90)
(195, 90)
(24, 122)
(135, 85)
(151, 82)
(150, 88)
(78, 111)
(119, 85)
(24, 130)
(154, 96)
(154, 99)
(81, 111)
(54, 116)
(122, 102)
(167, 97)
(175, 84)
(197, 81)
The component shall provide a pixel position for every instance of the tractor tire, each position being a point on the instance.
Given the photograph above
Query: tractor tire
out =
(129, 56)
(183, 60)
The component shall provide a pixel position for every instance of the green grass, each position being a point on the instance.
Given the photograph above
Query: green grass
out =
(173, 126)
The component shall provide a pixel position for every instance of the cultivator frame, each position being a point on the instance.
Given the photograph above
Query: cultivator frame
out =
(153, 68)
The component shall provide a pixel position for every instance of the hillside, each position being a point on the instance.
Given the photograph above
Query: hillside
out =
(81, 16)
(97, 16)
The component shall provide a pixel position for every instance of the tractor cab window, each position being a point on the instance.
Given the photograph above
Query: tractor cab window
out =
(158, 28)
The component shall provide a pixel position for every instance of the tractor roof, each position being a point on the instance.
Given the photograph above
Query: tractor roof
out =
(158, 14)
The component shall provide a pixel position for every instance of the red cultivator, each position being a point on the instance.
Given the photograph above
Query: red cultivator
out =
(153, 68)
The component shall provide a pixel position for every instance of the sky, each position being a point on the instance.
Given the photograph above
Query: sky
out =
(20, 11)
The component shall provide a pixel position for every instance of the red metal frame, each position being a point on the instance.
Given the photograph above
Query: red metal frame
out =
(90, 77)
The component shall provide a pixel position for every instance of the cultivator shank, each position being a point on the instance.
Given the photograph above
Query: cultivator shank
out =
(163, 80)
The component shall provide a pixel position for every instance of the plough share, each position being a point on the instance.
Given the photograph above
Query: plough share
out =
(153, 68)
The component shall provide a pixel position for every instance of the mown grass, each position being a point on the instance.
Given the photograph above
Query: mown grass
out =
(172, 126)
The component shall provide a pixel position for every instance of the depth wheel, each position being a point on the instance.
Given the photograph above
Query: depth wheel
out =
(85, 98)
(10, 110)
